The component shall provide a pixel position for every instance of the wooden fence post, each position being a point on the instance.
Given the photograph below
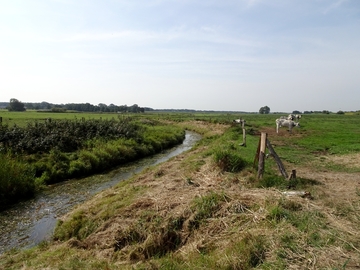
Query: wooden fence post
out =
(256, 159)
(261, 165)
(292, 179)
(244, 133)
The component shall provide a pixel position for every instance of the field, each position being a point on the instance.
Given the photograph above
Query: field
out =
(206, 209)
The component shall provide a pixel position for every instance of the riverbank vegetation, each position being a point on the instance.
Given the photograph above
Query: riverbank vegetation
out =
(206, 209)
(55, 150)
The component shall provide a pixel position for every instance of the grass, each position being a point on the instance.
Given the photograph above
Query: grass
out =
(206, 207)
(23, 118)
(196, 213)
(16, 180)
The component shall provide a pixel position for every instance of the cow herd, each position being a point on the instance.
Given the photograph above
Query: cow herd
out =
(288, 121)
(283, 121)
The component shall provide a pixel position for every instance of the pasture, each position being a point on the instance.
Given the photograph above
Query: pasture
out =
(23, 118)
(205, 209)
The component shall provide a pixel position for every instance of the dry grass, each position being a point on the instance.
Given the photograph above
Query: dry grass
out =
(163, 227)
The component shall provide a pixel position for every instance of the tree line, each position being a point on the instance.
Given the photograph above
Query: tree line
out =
(16, 105)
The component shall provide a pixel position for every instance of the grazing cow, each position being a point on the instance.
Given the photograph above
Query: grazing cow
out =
(294, 116)
(281, 122)
(291, 117)
(239, 121)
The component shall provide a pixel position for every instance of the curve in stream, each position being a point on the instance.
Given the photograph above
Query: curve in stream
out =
(30, 222)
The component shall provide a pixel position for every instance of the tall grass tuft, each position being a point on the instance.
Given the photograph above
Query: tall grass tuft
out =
(206, 207)
(17, 180)
(78, 226)
(229, 160)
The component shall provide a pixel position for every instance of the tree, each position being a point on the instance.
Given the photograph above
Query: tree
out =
(16, 106)
(264, 110)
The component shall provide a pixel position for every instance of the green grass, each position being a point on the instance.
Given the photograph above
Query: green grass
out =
(23, 118)
(16, 180)
(206, 207)
(278, 232)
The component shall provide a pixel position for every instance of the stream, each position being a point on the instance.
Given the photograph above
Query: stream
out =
(28, 223)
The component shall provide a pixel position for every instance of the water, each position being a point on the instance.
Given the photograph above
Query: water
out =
(31, 222)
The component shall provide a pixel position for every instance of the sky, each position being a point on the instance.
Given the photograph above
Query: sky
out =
(221, 55)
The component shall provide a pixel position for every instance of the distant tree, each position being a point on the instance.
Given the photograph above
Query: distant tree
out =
(340, 112)
(296, 112)
(264, 110)
(45, 105)
(102, 107)
(134, 108)
(29, 106)
(16, 106)
(325, 112)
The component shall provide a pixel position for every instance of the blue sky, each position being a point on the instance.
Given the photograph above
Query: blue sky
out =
(204, 55)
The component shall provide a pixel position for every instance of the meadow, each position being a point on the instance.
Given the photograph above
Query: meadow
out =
(206, 209)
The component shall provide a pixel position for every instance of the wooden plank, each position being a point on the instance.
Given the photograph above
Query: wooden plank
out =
(277, 159)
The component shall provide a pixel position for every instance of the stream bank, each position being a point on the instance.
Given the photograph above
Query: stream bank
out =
(30, 222)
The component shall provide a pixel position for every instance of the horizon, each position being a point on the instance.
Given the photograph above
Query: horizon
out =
(173, 109)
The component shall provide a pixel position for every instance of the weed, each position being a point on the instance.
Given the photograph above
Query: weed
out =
(206, 207)
(229, 160)
(272, 180)
(247, 253)
(77, 226)
(278, 213)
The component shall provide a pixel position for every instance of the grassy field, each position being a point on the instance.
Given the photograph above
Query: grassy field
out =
(206, 209)
(22, 118)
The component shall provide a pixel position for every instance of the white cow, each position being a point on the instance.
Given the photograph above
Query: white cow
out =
(291, 117)
(239, 121)
(281, 122)
(294, 116)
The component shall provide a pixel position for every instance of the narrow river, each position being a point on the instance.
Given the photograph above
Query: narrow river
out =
(31, 222)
